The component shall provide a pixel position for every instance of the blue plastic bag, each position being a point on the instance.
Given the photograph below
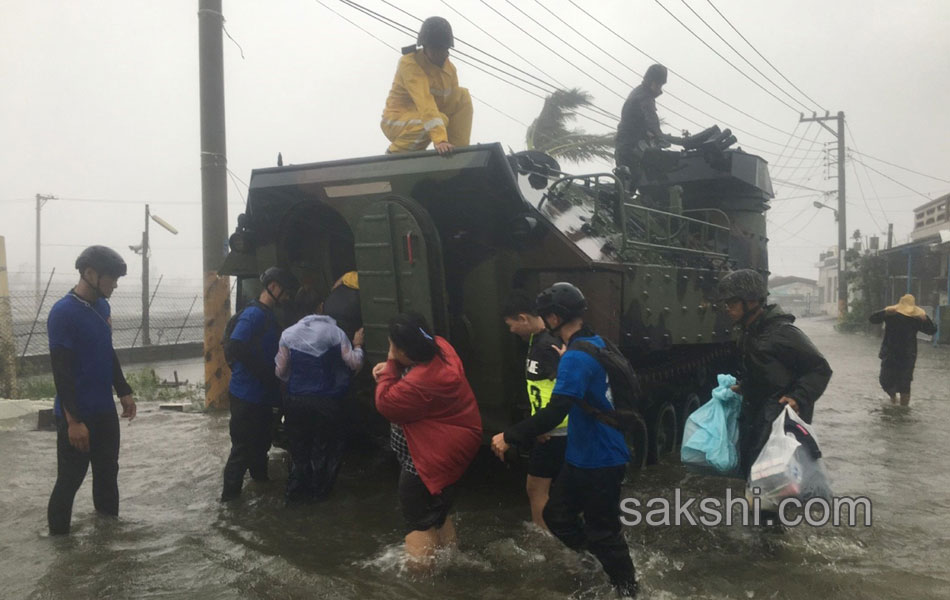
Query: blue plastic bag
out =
(711, 435)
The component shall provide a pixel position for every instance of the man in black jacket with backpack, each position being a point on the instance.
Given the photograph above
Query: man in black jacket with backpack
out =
(597, 454)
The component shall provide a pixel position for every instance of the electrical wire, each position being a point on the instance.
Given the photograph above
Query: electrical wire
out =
(855, 151)
(763, 57)
(742, 56)
(717, 53)
(678, 74)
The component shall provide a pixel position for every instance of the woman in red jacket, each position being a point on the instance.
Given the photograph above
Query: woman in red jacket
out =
(436, 430)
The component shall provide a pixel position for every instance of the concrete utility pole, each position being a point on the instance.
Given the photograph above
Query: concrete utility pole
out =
(40, 201)
(146, 335)
(842, 225)
(214, 199)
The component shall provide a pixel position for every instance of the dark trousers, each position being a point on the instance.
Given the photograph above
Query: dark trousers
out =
(315, 433)
(250, 440)
(72, 465)
(595, 494)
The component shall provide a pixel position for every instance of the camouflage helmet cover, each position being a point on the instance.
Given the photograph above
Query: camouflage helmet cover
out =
(745, 284)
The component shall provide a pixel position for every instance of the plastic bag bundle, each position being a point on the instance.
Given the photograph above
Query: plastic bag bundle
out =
(790, 465)
(711, 435)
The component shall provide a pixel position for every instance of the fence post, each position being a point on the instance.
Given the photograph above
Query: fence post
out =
(39, 309)
(183, 323)
(152, 299)
(8, 383)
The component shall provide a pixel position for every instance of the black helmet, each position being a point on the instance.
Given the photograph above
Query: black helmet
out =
(562, 299)
(437, 33)
(744, 284)
(103, 260)
(655, 74)
(283, 277)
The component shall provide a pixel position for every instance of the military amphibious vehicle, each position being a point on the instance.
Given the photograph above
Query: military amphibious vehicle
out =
(452, 237)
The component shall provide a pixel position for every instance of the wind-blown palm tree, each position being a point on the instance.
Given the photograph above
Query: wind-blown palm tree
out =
(549, 133)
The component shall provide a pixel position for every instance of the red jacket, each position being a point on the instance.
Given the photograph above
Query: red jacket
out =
(436, 408)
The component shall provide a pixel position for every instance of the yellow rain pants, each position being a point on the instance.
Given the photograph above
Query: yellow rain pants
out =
(426, 105)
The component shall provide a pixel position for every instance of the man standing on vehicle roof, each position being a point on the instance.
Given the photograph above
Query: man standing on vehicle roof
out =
(85, 371)
(597, 454)
(639, 128)
(251, 349)
(778, 366)
(547, 453)
(426, 103)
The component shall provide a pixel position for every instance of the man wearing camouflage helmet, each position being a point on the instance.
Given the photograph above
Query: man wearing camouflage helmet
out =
(426, 103)
(778, 364)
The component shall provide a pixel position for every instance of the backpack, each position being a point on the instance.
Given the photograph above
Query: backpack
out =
(229, 330)
(624, 387)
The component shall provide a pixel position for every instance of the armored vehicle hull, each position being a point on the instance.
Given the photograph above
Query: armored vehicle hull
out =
(452, 237)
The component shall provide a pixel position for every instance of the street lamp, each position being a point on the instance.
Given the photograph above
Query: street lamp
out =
(143, 249)
(818, 204)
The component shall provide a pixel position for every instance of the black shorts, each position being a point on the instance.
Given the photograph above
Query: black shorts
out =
(547, 458)
(422, 510)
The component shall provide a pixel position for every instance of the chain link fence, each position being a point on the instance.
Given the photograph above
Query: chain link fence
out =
(175, 313)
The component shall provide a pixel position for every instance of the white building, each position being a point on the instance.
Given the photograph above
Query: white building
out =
(827, 301)
(930, 218)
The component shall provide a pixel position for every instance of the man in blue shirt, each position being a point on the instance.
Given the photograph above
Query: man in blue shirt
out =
(254, 388)
(85, 371)
(597, 454)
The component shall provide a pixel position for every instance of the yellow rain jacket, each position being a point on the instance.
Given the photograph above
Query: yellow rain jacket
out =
(426, 104)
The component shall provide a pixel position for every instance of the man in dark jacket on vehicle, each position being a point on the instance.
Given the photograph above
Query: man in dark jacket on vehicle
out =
(779, 365)
(639, 127)
(899, 347)
(254, 389)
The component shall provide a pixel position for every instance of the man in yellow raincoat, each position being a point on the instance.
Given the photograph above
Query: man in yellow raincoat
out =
(426, 103)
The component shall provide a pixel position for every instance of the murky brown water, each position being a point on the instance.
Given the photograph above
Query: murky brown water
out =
(174, 540)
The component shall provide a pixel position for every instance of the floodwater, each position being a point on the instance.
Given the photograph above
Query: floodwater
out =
(174, 540)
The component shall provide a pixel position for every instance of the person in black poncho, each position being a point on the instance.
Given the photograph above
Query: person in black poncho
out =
(898, 354)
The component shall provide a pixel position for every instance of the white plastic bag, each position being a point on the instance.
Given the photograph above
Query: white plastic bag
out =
(790, 465)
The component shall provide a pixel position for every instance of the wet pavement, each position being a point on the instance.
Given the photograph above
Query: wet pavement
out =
(174, 540)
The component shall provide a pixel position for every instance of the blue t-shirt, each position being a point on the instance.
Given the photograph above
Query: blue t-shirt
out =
(258, 326)
(590, 443)
(84, 329)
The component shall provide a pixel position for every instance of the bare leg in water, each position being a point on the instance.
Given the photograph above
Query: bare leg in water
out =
(422, 546)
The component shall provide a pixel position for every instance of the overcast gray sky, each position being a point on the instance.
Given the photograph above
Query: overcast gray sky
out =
(99, 103)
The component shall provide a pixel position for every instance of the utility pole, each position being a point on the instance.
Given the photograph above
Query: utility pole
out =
(146, 337)
(145, 251)
(890, 235)
(214, 199)
(40, 201)
(842, 225)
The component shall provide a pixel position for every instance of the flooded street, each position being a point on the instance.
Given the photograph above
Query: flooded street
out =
(174, 540)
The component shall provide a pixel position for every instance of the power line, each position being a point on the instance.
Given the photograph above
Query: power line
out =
(717, 53)
(405, 29)
(402, 30)
(680, 75)
(742, 56)
(866, 174)
(763, 57)
(855, 151)
(724, 122)
(903, 185)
